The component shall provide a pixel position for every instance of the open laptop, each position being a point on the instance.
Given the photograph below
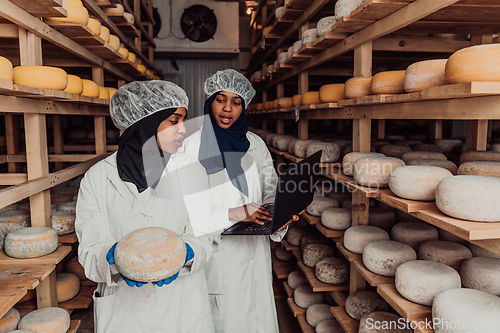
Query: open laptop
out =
(295, 191)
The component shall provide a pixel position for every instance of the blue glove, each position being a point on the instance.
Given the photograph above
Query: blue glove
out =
(110, 257)
(189, 256)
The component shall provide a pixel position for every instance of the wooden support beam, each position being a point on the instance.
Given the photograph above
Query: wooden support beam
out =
(280, 90)
(361, 134)
(264, 123)
(436, 129)
(13, 178)
(303, 82)
(356, 281)
(100, 134)
(363, 60)
(360, 206)
(30, 48)
(58, 139)
(46, 292)
(280, 126)
(12, 139)
(303, 124)
(477, 134)
(481, 39)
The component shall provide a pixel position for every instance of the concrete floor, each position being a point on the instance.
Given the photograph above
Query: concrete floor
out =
(87, 319)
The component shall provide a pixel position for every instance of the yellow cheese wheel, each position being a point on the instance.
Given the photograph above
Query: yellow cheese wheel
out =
(53, 320)
(276, 104)
(104, 34)
(129, 17)
(311, 97)
(475, 63)
(31, 242)
(68, 286)
(259, 106)
(90, 88)
(425, 74)
(141, 68)
(114, 42)
(74, 14)
(95, 26)
(285, 102)
(74, 267)
(131, 57)
(75, 85)
(111, 91)
(42, 77)
(6, 71)
(103, 93)
(123, 52)
(118, 9)
(331, 93)
(149, 74)
(358, 87)
(297, 100)
(9, 321)
(72, 3)
(391, 82)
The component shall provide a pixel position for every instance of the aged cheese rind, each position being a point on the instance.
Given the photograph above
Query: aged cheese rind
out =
(304, 296)
(384, 257)
(373, 171)
(336, 218)
(357, 237)
(332, 270)
(445, 252)
(481, 273)
(31, 242)
(414, 233)
(46, 320)
(316, 313)
(364, 302)
(315, 252)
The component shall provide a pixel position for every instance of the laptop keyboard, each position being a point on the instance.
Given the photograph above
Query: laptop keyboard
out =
(256, 227)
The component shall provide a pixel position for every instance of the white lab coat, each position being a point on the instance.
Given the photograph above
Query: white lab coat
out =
(107, 210)
(239, 274)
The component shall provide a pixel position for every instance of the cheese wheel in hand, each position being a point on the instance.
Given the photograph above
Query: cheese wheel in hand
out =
(331, 93)
(42, 77)
(90, 88)
(6, 70)
(75, 85)
(31, 242)
(150, 254)
(391, 82)
(358, 87)
(311, 97)
(425, 74)
(47, 320)
(475, 63)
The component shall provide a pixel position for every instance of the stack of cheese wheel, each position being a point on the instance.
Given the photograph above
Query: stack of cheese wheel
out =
(310, 97)
(325, 25)
(31, 242)
(482, 274)
(345, 7)
(357, 237)
(445, 252)
(373, 171)
(391, 82)
(75, 85)
(330, 151)
(9, 321)
(6, 69)
(319, 204)
(12, 220)
(76, 12)
(315, 252)
(73, 266)
(475, 63)
(90, 88)
(42, 77)
(357, 87)
(425, 74)
(63, 222)
(331, 93)
(384, 257)
(53, 320)
(359, 303)
(95, 26)
(480, 168)
(68, 286)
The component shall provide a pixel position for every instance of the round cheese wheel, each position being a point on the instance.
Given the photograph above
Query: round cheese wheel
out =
(349, 159)
(329, 326)
(289, 52)
(448, 145)
(297, 100)
(383, 257)
(414, 233)
(358, 87)
(331, 93)
(104, 34)
(448, 253)
(95, 26)
(336, 218)
(324, 25)
(6, 69)
(345, 7)
(74, 14)
(316, 313)
(103, 93)
(75, 85)
(480, 168)
(60, 197)
(309, 36)
(276, 104)
(469, 197)
(373, 171)
(266, 30)
(297, 45)
(310, 97)
(420, 280)
(473, 155)
(427, 147)
(475, 63)
(386, 323)
(132, 57)
(90, 88)
(330, 151)
(2, 239)
(73, 266)
(495, 147)
(416, 182)
(414, 155)
(282, 142)
(63, 222)
(448, 165)
(114, 42)
(364, 302)
(69, 207)
(396, 151)
(123, 52)
(118, 9)
(357, 237)
(478, 251)
(296, 279)
(9, 320)
(279, 11)
(381, 217)
(319, 204)
(141, 68)
(291, 144)
(269, 139)
(294, 234)
(53, 320)
(482, 274)
(304, 297)
(42, 77)
(13, 220)
(282, 57)
(315, 252)
(425, 74)
(68, 286)
(313, 238)
(475, 311)
(285, 102)
(391, 82)
(332, 270)
(31, 242)
(284, 255)
(277, 137)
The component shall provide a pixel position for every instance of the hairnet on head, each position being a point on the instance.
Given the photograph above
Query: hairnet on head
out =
(139, 99)
(232, 81)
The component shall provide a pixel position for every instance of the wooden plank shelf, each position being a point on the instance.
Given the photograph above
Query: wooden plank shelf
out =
(310, 49)
(11, 89)
(80, 301)
(87, 283)
(68, 239)
(405, 205)
(289, 291)
(117, 18)
(304, 326)
(72, 29)
(281, 25)
(104, 51)
(282, 268)
(462, 90)
(282, 68)
(276, 151)
(297, 58)
(292, 14)
(350, 256)
(49, 259)
(377, 9)
(129, 30)
(9, 296)
(74, 326)
(407, 309)
(318, 286)
(316, 221)
(348, 324)
(328, 39)
(338, 297)
(125, 65)
(349, 25)
(297, 253)
(45, 8)
(25, 275)
(288, 246)
(79, 99)
(335, 174)
(296, 310)
(372, 278)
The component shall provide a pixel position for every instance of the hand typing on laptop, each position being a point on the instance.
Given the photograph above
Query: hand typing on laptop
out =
(250, 213)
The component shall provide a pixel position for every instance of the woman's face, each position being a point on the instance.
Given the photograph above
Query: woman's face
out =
(171, 131)
(226, 109)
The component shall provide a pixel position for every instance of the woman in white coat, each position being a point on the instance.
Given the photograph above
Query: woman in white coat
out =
(242, 179)
(146, 184)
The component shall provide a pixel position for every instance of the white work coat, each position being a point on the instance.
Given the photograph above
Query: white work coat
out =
(239, 274)
(107, 210)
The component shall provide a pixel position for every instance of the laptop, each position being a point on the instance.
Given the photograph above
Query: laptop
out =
(295, 191)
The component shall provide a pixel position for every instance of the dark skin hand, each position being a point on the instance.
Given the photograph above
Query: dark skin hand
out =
(252, 212)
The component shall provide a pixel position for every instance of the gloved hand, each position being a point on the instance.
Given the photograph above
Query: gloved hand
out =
(189, 256)
(110, 257)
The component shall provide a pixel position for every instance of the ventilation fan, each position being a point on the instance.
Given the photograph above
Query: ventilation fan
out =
(198, 23)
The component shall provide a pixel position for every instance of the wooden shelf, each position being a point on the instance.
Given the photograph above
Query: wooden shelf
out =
(9, 296)
(328, 39)
(297, 253)
(318, 286)
(350, 256)
(25, 275)
(288, 246)
(10, 89)
(348, 324)
(304, 326)
(405, 205)
(68, 239)
(282, 268)
(407, 309)
(289, 291)
(74, 326)
(372, 278)
(462, 90)
(49, 259)
(80, 301)
(316, 221)
(296, 310)
(42, 7)
(276, 151)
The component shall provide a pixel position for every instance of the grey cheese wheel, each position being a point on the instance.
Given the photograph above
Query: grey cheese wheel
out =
(31, 242)
(329, 326)
(316, 313)
(473, 155)
(296, 279)
(381, 217)
(481, 273)
(304, 297)
(332, 270)
(384, 257)
(2, 239)
(478, 251)
(294, 234)
(364, 302)
(325, 25)
(13, 220)
(357, 237)
(414, 233)
(314, 238)
(282, 142)
(291, 144)
(420, 280)
(279, 137)
(448, 253)
(299, 149)
(330, 151)
(350, 158)
(386, 322)
(415, 155)
(68, 207)
(319, 204)
(336, 218)
(416, 182)
(9, 320)
(269, 138)
(427, 147)
(63, 222)
(448, 165)
(480, 168)
(394, 150)
(374, 171)
(345, 7)
(284, 255)
(475, 310)
(449, 145)
(14, 206)
(315, 252)
(53, 320)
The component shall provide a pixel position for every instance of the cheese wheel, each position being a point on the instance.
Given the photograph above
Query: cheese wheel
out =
(386, 323)
(75, 85)
(60, 198)
(391, 82)
(383, 257)
(266, 30)
(285, 102)
(309, 36)
(495, 147)
(132, 57)
(448, 253)
(278, 137)
(319, 204)
(69, 207)
(270, 138)
(448, 165)
(469, 197)
(294, 234)
(381, 217)
(336, 218)
(297, 45)
(324, 25)
(2, 239)
(396, 151)
(63, 222)
(310, 97)
(478, 251)
(331, 93)
(297, 100)
(475, 63)
(150, 254)
(118, 9)
(73, 266)
(330, 151)
(284, 255)
(349, 159)
(47, 320)
(304, 296)
(357, 237)
(473, 155)
(74, 14)
(31, 242)
(414, 234)
(316, 313)
(425, 74)
(416, 182)
(6, 69)
(68, 286)
(103, 93)
(283, 142)
(42, 77)
(414, 155)
(289, 52)
(123, 52)
(332, 270)
(373, 171)
(111, 91)
(291, 144)
(296, 279)
(12, 220)
(364, 302)
(481, 274)
(114, 42)
(448, 145)
(315, 252)
(480, 168)
(329, 326)
(300, 147)
(345, 7)
(279, 12)
(129, 18)
(282, 58)
(95, 26)
(105, 34)
(9, 321)
(90, 88)
(358, 87)
(476, 311)
(313, 238)
(427, 147)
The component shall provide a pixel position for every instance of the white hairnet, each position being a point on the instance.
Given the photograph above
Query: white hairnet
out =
(139, 99)
(232, 81)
